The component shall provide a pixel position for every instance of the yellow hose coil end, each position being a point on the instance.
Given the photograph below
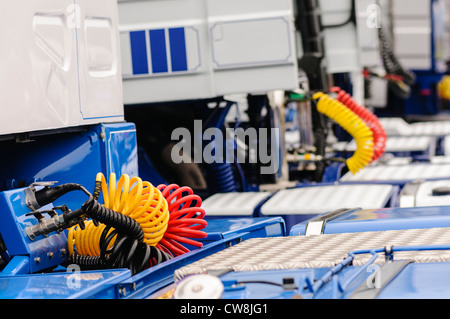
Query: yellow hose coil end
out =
(318, 95)
(444, 88)
(354, 125)
(71, 241)
(156, 219)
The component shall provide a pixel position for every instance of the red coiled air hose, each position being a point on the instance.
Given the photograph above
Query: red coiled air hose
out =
(372, 121)
(185, 221)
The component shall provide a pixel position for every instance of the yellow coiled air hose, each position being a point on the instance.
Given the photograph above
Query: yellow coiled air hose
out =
(444, 88)
(355, 126)
(134, 198)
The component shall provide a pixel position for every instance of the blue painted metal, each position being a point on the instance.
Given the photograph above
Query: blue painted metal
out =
(150, 281)
(333, 172)
(310, 283)
(339, 282)
(139, 52)
(118, 149)
(66, 158)
(262, 285)
(343, 286)
(159, 51)
(178, 49)
(71, 158)
(16, 266)
(293, 220)
(25, 252)
(384, 219)
(13, 225)
(424, 98)
(408, 282)
(221, 234)
(256, 227)
(420, 281)
(64, 285)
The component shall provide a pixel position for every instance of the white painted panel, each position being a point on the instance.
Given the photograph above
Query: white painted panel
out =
(99, 60)
(45, 65)
(321, 199)
(231, 47)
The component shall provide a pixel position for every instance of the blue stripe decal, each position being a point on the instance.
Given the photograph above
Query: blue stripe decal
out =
(178, 49)
(139, 52)
(159, 51)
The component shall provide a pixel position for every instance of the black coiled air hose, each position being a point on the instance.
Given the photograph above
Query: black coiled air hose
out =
(121, 223)
(393, 66)
(320, 131)
(126, 240)
(391, 63)
(123, 235)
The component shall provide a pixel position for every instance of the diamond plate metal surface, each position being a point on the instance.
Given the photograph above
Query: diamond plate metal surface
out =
(322, 251)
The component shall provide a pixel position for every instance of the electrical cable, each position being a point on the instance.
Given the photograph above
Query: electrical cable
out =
(390, 60)
(320, 133)
(379, 134)
(401, 88)
(351, 18)
(185, 222)
(355, 126)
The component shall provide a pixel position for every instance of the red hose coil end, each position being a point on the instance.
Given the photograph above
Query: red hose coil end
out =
(379, 134)
(186, 220)
(335, 89)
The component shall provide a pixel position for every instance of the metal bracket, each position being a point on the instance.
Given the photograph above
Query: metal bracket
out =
(388, 253)
(409, 192)
(316, 226)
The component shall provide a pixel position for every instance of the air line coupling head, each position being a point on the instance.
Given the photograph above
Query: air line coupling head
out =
(30, 194)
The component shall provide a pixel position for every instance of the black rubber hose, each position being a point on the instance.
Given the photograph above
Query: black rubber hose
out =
(121, 223)
(48, 195)
(128, 250)
(320, 131)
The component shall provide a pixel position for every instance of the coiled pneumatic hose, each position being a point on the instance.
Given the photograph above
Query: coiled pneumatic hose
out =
(124, 232)
(379, 134)
(355, 126)
(392, 66)
(186, 220)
